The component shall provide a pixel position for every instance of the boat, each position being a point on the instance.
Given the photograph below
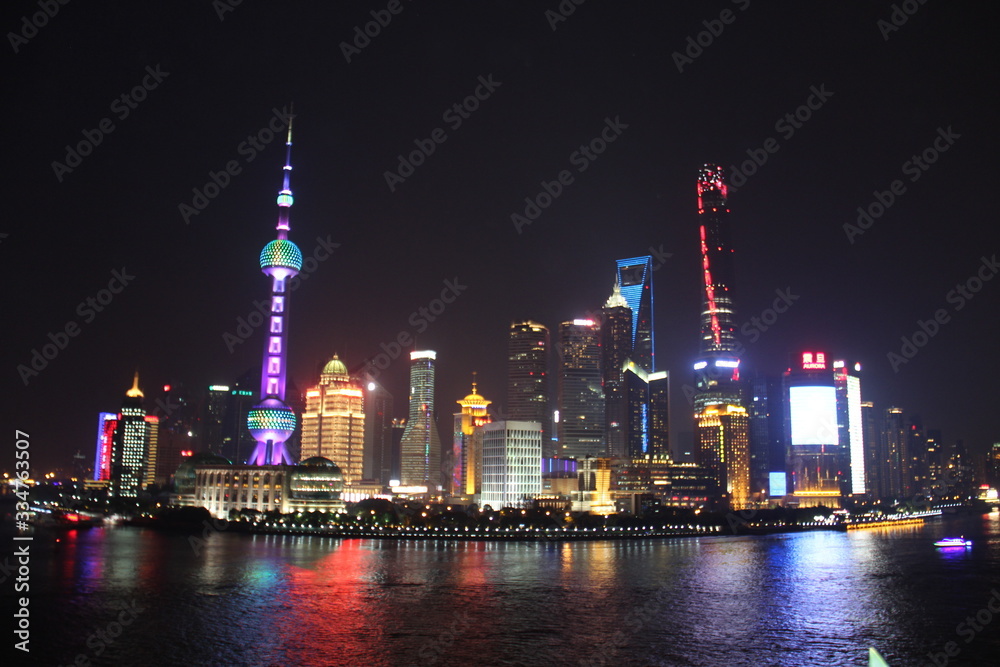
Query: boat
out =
(953, 542)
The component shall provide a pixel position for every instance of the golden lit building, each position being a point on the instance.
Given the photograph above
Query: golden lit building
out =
(467, 464)
(722, 433)
(333, 423)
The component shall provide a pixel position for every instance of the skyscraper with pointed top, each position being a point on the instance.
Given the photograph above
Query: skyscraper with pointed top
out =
(616, 349)
(131, 451)
(271, 422)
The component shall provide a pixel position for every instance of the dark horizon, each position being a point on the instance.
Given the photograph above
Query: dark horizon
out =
(873, 97)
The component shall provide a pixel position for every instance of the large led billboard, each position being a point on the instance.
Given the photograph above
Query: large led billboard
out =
(813, 411)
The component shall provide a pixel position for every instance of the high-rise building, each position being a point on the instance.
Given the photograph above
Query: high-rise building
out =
(993, 465)
(237, 443)
(333, 423)
(130, 446)
(271, 422)
(528, 377)
(466, 473)
(721, 420)
(871, 431)
(891, 452)
(106, 423)
(421, 444)
(659, 413)
(378, 427)
(635, 427)
(216, 403)
(724, 444)
(767, 442)
(635, 276)
(151, 466)
(818, 463)
(512, 463)
(850, 426)
(616, 348)
(581, 396)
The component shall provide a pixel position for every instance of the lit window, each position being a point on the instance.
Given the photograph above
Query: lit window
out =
(275, 324)
(274, 347)
(278, 304)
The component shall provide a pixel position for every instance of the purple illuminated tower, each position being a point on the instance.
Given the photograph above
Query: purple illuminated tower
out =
(271, 422)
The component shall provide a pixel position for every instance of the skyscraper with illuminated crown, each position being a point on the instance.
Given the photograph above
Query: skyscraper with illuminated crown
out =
(721, 420)
(271, 422)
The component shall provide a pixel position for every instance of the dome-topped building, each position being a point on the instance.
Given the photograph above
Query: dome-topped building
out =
(333, 423)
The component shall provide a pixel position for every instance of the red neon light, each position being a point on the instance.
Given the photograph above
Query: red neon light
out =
(709, 288)
(812, 362)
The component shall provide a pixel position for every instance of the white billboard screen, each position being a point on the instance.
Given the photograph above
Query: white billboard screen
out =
(814, 415)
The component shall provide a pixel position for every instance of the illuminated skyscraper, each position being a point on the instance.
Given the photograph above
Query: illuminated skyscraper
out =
(333, 424)
(468, 443)
(723, 440)
(130, 446)
(616, 348)
(659, 413)
(528, 377)
(271, 422)
(421, 445)
(581, 397)
(721, 420)
(106, 423)
(635, 277)
(851, 427)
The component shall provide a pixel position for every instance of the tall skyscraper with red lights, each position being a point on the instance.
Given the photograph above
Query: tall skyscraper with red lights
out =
(721, 421)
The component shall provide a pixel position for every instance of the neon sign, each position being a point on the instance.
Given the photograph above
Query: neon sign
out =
(813, 361)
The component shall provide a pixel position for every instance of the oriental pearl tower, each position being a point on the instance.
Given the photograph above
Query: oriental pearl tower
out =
(271, 422)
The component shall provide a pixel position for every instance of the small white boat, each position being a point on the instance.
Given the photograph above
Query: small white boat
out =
(953, 542)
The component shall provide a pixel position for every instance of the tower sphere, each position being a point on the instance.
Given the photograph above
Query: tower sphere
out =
(271, 420)
(281, 253)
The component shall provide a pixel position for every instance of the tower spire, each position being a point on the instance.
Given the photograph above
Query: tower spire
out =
(135, 392)
(271, 422)
(285, 198)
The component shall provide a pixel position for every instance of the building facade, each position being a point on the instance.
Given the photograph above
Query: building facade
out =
(512, 463)
(635, 276)
(581, 396)
(528, 378)
(467, 452)
(333, 423)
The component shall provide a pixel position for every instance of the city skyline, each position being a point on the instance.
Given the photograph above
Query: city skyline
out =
(380, 264)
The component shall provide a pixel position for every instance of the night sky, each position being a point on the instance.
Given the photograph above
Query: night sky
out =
(888, 94)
